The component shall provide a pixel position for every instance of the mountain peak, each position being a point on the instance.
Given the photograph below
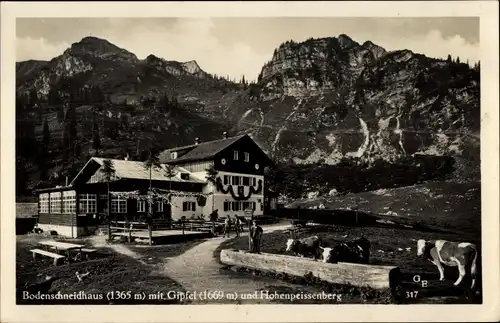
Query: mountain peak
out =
(377, 50)
(346, 41)
(101, 48)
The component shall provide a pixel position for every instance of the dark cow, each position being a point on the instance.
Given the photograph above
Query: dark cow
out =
(356, 251)
(305, 247)
(453, 254)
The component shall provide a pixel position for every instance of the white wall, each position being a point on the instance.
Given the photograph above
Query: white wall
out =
(221, 198)
(218, 198)
(63, 230)
(177, 210)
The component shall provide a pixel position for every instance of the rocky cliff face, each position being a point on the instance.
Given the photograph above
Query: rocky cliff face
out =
(190, 68)
(326, 99)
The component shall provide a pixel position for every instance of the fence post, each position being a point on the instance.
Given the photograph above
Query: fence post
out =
(183, 227)
(130, 232)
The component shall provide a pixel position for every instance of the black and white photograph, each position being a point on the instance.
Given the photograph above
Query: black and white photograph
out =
(282, 160)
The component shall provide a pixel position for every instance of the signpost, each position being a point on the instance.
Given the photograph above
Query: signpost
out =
(249, 213)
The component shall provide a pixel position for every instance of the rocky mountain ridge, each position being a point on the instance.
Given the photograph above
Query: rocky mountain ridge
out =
(318, 101)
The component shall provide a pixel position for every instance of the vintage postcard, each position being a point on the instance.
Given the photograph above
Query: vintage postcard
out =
(322, 154)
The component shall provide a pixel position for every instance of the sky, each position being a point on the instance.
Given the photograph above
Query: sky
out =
(241, 46)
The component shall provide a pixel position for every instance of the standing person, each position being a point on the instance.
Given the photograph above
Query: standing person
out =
(227, 226)
(213, 217)
(256, 236)
(237, 225)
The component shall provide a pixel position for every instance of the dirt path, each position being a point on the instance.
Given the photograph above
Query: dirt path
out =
(197, 270)
(100, 241)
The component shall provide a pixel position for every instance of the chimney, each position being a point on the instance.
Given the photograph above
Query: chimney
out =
(224, 135)
(66, 180)
(196, 141)
(127, 157)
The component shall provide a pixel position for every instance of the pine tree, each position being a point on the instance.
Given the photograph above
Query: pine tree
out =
(170, 172)
(153, 161)
(43, 154)
(448, 60)
(60, 114)
(21, 176)
(458, 60)
(46, 136)
(33, 99)
(244, 82)
(108, 170)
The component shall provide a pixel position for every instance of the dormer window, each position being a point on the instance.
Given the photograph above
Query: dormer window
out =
(173, 155)
(235, 154)
(247, 157)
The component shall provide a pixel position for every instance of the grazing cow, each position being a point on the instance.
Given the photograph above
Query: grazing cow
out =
(453, 254)
(357, 251)
(305, 247)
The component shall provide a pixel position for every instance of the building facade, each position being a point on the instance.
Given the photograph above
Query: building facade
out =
(239, 165)
(236, 165)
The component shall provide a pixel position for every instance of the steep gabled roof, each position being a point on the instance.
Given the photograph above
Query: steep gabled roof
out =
(201, 151)
(127, 169)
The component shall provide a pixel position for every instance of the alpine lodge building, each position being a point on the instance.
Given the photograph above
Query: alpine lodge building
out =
(78, 208)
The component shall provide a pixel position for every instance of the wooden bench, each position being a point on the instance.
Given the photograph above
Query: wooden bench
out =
(56, 256)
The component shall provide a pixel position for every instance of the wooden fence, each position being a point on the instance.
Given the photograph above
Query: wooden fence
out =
(339, 217)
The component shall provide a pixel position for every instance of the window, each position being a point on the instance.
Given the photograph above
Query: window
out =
(236, 206)
(254, 181)
(247, 157)
(69, 202)
(44, 203)
(88, 203)
(93, 179)
(159, 206)
(246, 181)
(55, 202)
(236, 180)
(173, 155)
(262, 206)
(141, 206)
(239, 206)
(235, 154)
(185, 176)
(118, 205)
(188, 206)
(226, 179)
